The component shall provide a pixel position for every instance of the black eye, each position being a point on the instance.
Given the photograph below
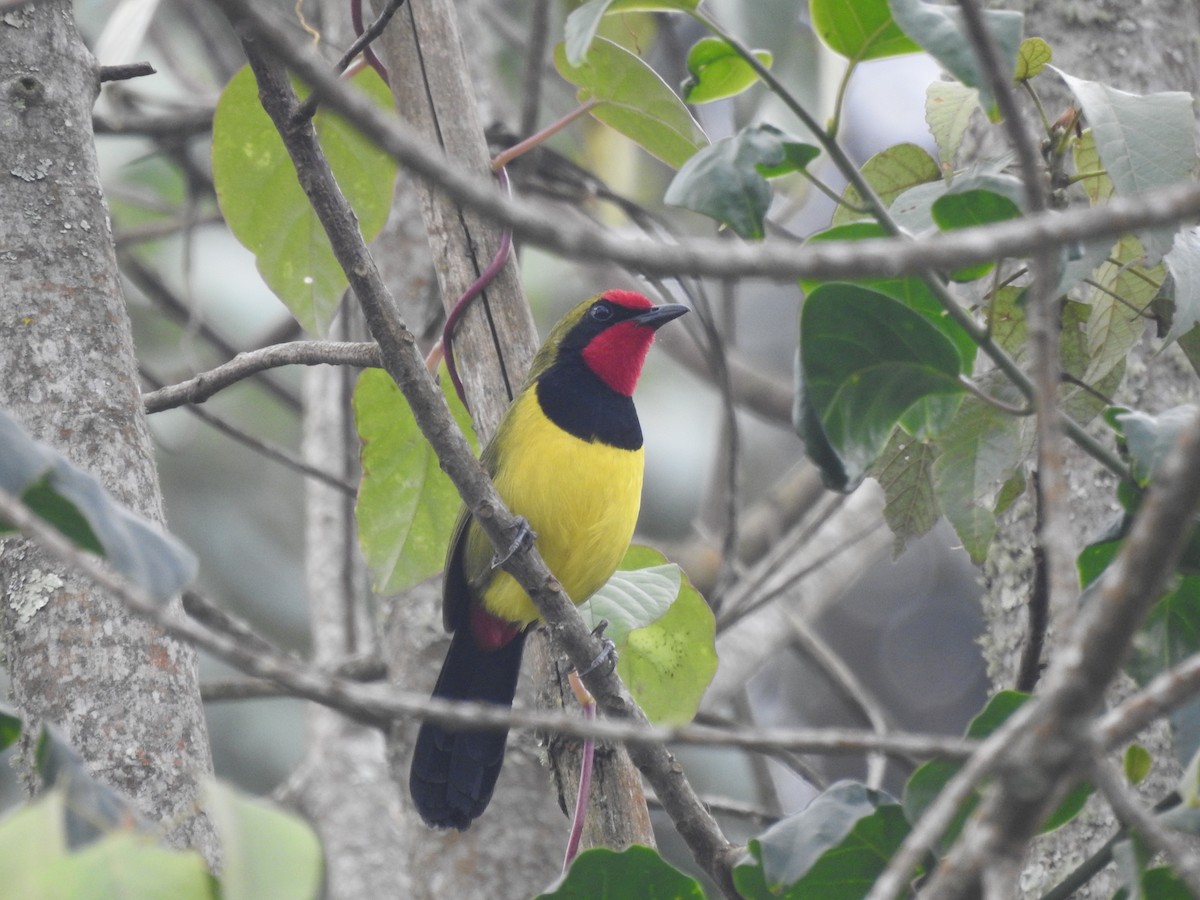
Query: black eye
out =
(601, 312)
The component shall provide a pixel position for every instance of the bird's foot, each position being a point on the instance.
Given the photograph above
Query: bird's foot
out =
(525, 537)
(608, 655)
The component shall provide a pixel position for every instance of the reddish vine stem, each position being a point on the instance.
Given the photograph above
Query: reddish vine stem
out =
(365, 37)
(588, 702)
(477, 287)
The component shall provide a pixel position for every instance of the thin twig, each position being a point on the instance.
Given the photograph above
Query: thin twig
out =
(264, 448)
(363, 354)
(125, 71)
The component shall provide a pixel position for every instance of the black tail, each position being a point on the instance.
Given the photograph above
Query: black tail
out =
(454, 772)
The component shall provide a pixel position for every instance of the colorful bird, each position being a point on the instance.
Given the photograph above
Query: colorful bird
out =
(567, 457)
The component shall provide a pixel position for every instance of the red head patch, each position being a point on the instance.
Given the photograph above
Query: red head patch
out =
(617, 353)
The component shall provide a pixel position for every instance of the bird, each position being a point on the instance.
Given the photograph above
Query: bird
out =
(567, 458)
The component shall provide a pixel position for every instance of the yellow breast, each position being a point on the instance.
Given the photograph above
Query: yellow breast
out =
(580, 498)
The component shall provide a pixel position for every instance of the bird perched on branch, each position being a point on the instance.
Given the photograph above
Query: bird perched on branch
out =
(567, 457)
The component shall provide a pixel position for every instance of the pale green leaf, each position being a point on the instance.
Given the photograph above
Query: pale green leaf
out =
(267, 210)
(949, 106)
(632, 99)
(407, 505)
(1033, 56)
(890, 173)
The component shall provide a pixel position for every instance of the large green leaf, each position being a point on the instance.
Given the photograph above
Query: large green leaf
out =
(890, 173)
(265, 851)
(1145, 142)
(75, 503)
(834, 849)
(581, 24)
(727, 180)
(407, 505)
(32, 840)
(941, 32)
(860, 30)
(910, 290)
(664, 633)
(717, 71)
(266, 208)
(603, 874)
(865, 359)
(126, 866)
(634, 100)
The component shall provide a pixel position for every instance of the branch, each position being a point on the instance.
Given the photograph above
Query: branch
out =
(297, 353)
(779, 260)
(381, 705)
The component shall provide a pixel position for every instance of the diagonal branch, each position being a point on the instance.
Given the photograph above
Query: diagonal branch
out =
(397, 346)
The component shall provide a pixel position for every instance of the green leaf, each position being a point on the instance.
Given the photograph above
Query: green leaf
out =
(603, 874)
(77, 504)
(634, 101)
(1184, 262)
(725, 181)
(1120, 291)
(266, 208)
(1170, 634)
(407, 506)
(1136, 763)
(1150, 438)
(10, 726)
(1145, 142)
(904, 471)
(636, 594)
(890, 173)
(32, 840)
(664, 633)
(834, 849)
(716, 71)
(865, 359)
(859, 31)
(981, 450)
(582, 23)
(949, 106)
(265, 852)
(941, 32)
(1033, 56)
(930, 778)
(910, 290)
(968, 208)
(92, 807)
(127, 865)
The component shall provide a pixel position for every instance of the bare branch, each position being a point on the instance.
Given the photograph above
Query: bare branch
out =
(364, 354)
(378, 705)
(780, 260)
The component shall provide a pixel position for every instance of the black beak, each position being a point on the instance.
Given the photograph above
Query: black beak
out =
(658, 316)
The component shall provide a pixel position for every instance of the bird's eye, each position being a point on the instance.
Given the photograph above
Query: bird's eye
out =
(601, 312)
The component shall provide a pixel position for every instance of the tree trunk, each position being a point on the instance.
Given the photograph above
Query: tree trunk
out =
(126, 696)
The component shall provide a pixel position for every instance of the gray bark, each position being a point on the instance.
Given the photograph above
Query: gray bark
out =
(126, 696)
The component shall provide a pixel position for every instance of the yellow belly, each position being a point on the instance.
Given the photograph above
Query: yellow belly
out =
(580, 498)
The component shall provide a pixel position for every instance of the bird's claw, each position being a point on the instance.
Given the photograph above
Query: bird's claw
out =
(607, 655)
(525, 537)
